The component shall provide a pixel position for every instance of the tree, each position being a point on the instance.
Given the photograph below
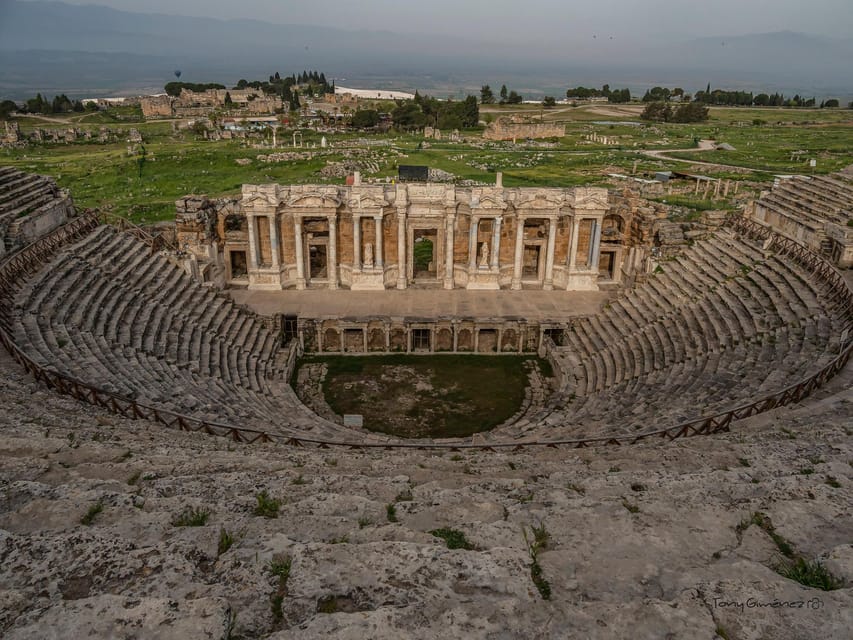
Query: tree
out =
(365, 119)
(503, 94)
(486, 95)
(832, 103)
(761, 100)
(549, 102)
(657, 112)
(228, 100)
(690, 112)
(514, 98)
(6, 108)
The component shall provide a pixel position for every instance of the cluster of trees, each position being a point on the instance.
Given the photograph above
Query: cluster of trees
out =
(39, 104)
(487, 96)
(174, 88)
(748, 98)
(288, 88)
(662, 94)
(685, 112)
(613, 95)
(427, 111)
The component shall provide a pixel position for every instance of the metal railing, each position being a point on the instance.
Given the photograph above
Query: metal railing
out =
(33, 256)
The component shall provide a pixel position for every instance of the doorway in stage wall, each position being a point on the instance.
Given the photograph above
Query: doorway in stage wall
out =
(531, 263)
(423, 254)
(318, 261)
(238, 265)
(606, 262)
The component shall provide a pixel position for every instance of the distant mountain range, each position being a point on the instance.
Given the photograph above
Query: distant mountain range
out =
(83, 50)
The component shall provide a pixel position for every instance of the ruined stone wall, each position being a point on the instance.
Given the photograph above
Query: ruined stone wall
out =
(506, 129)
(157, 106)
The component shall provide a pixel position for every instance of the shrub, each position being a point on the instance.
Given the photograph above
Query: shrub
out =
(391, 512)
(226, 540)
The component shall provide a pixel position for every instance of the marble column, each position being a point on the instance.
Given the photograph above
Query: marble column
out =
(448, 250)
(300, 260)
(596, 246)
(402, 262)
(496, 246)
(472, 245)
(378, 249)
(253, 242)
(517, 256)
(274, 244)
(332, 262)
(356, 243)
(573, 244)
(549, 256)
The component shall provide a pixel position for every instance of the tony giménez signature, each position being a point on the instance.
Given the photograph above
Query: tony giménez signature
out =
(754, 603)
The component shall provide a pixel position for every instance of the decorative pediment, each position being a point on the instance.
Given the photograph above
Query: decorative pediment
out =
(592, 203)
(541, 201)
(258, 200)
(314, 201)
(488, 201)
(360, 202)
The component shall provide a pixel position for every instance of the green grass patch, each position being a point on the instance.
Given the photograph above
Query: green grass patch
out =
(92, 513)
(266, 505)
(426, 396)
(810, 574)
(192, 517)
(453, 538)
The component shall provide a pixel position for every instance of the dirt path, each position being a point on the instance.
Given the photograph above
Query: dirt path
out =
(704, 145)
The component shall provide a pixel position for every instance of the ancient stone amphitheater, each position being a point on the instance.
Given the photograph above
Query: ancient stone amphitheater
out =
(120, 365)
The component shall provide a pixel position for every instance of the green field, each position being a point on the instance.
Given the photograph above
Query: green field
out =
(179, 163)
(427, 396)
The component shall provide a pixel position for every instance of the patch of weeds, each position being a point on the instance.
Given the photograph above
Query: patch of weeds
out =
(192, 517)
(632, 508)
(364, 522)
(534, 547)
(744, 462)
(456, 457)
(807, 471)
(816, 460)
(391, 512)
(528, 497)
(810, 574)
(134, 478)
(577, 488)
(226, 541)
(92, 513)
(790, 434)
(832, 482)
(511, 465)
(279, 567)
(614, 469)
(344, 539)
(468, 470)
(266, 505)
(721, 632)
(327, 605)
(453, 538)
(404, 496)
(332, 462)
(763, 521)
(127, 455)
(636, 486)
(299, 480)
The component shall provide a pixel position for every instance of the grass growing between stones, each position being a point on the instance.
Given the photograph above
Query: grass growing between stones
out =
(92, 513)
(266, 506)
(192, 517)
(453, 538)
(426, 396)
(809, 573)
(534, 547)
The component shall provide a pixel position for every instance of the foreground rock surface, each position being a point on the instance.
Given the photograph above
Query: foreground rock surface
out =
(643, 541)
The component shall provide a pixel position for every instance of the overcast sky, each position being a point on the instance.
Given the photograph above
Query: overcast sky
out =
(530, 20)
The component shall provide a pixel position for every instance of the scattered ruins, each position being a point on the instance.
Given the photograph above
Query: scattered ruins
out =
(518, 127)
(201, 103)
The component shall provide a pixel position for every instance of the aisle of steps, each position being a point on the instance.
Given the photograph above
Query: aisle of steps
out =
(107, 312)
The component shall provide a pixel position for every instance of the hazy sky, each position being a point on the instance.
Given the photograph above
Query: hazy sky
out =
(530, 20)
